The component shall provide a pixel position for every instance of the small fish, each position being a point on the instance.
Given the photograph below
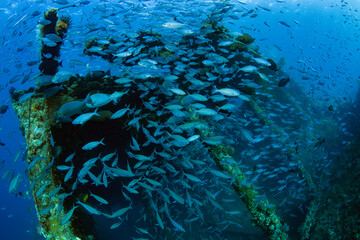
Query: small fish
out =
(320, 142)
(68, 215)
(131, 190)
(44, 22)
(69, 174)
(153, 182)
(47, 42)
(92, 145)
(89, 208)
(119, 113)
(120, 172)
(225, 43)
(70, 157)
(173, 25)
(206, 112)
(227, 92)
(193, 138)
(108, 156)
(25, 97)
(176, 197)
(98, 198)
(247, 135)
(262, 62)
(52, 91)
(46, 210)
(120, 212)
(176, 225)
(14, 184)
(249, 69)
(41, 190)
(140, 157)
(115, 225)
(283, 82)
(160, 222)
(53, 37)
(62, 76)
(177, 91)
(264, 77)
(55, 191)
(83, 118)
(284, 23)
(192, 177)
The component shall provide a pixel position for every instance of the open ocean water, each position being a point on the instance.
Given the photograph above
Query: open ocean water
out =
(299, 149)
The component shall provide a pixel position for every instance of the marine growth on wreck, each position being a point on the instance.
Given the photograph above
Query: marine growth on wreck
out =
(191, 135)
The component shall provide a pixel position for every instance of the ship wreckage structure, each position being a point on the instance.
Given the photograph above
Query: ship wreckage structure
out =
(168, 148)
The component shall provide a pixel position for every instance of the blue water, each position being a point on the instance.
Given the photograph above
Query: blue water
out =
(320, 50)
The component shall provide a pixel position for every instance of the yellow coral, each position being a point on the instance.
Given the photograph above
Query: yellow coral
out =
(62, 27)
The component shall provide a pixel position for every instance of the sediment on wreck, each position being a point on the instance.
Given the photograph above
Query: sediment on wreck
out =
(263, 215)
(36, 117)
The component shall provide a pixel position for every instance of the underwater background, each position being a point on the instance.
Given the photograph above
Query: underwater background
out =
(315, 44)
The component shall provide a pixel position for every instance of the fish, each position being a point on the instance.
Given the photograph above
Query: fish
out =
(25, 97)
(70, 157)
(176, 225)
(98, 100)
(173, 25)
(108, 156)
(46, 210)
(118, 172)
(198, 97)
(61, 2)
(192, 177)
(119, 113)
(131, 190)
(262, 61)
(62, 76)
(83, 118)
(318, 144)
(68, 215)
(92, 145)
(140, 157)
(47, 42)
(177, 198)
(53, 37)
(89, 208)
(121, 212)
(177, 91)
(206, 112)
(158, 219)
(55, 191)
(14, 184)
(69, 174)
(115, 225)
(225, 43)
(283, 82)
(69, 109)
(98, 198)
(153, 182)
(249, 69)
(44, 22)
(285, 24)
(229, 92)
(264, 77)
(41, 190)
(49, 92)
